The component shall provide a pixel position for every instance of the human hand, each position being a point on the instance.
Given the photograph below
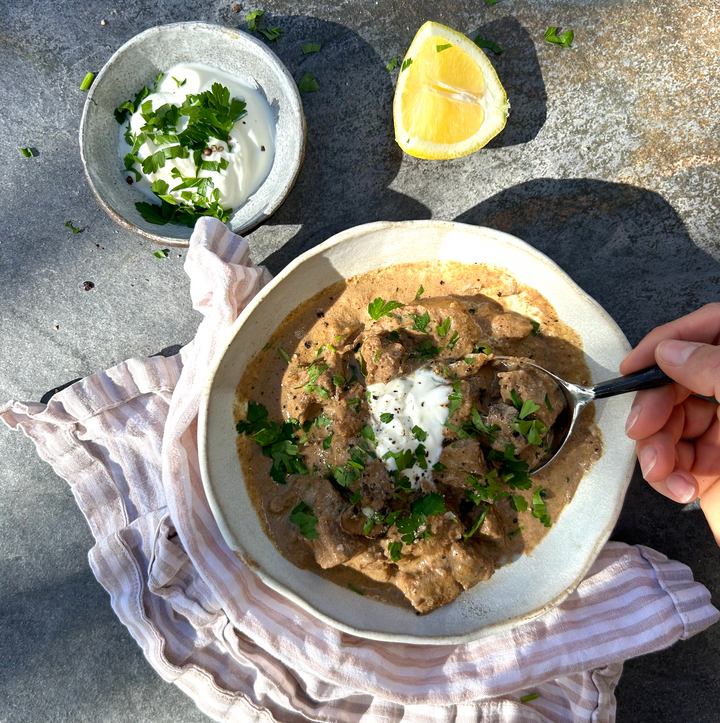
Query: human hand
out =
(678, 435)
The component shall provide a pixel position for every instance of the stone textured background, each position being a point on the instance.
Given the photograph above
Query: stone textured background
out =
(608, 164)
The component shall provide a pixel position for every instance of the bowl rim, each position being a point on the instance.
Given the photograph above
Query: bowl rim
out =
(254, 566)
(294, 98)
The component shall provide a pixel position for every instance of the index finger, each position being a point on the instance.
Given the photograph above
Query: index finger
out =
(702, 325)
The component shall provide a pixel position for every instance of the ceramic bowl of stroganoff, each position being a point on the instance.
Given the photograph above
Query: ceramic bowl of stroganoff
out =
(524, 586)
(235, 54)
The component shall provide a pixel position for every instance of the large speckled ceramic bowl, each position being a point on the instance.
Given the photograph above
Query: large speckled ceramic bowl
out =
(138, 63)
(517, 592)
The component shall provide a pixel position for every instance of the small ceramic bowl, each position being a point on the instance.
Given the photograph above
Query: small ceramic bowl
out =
(138, 63)
(518, 591)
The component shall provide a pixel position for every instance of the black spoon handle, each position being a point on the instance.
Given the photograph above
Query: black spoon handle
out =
(644, 379)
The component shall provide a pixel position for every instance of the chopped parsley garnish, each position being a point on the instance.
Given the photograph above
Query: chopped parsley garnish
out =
(564, 40)
(27, 152)
(481, 427)
(367, 433)
(182, 131)
(425, 349)
(394, 336)
(477, 525)
(327, 442)
(444, 328)
(87, 81)
(491, 491)
(421, 322)
(339, 380)
(530, 696)
(386, 417)
(491, 2)
(303, 517)
(528, 407)
(532, 429)
(253, 18)
(308, 84)
(539, 509)
(547, 404)
(404, 460)
(272, 34)
(512, 471)
(356, 497)
(439, 466)
(484, 43)
(161, 254)
(179, 83)
(455, 400)
(428, 505)
(395, 550)
(406, 64)
(319, 390)
(377, 356)
(535, 327)
(355, 402)
(284, 354)
(277, 440)
(422, 508)
(482, 349)
(355, 589)
(453, 340)
(314, 371)
(74, 229)
(308, 48)
(379, 307)
(515, 398)
(518, 502)
(420, 292)
(419, 433)
(440, 48)
(392, 64)
(515, 532)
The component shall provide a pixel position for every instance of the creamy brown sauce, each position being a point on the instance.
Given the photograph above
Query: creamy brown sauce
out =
(496, 303)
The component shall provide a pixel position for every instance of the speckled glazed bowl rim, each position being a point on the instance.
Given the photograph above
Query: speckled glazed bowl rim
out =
(291, 170)
(575, 539)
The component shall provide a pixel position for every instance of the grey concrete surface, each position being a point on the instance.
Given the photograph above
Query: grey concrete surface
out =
(608, 164)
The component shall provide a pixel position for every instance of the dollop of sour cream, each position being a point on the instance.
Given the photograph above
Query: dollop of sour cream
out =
(249, 154)
(419, 399)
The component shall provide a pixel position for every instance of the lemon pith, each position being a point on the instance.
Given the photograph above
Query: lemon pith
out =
(449, 101)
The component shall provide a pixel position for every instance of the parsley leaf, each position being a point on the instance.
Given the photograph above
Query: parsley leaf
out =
(69, 224)
(535, 326)
(308, 48)
(425, 349)
(395, 550)
(161, 254)
(491, 2)
(440, 48)
(379, 307)
(518, 502)
(564, 40)
(539, 508)
(515, 532)
(484, 43)
(253, 18)
(179, 83)
(355, 589)
(308, 84)
(530, 696)
(453, 340)
(455, 400)
(367, 433)
(444, 328)
(547, 404)
(420, 292)
(392, 64)
(421, 322)
(515, 398)
(533, 430)
(87, 81)
(528, 407)
(482, 349)
(419, 433)
(339, 380)
(406, 64)
(386, 417)
(283, 354)
(303, 517)
(428, 505)
(404, 459)
(477, 525)
(327, 442)
(27, 152)
(272, 34)
(439, 466)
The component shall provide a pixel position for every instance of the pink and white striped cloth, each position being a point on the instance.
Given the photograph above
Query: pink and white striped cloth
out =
(125, 440)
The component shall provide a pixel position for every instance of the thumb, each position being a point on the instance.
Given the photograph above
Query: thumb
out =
(693, 365)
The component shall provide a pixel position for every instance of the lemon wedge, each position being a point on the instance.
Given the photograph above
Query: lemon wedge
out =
(448, 101)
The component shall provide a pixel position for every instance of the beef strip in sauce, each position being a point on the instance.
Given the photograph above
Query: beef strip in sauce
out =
(473, 512)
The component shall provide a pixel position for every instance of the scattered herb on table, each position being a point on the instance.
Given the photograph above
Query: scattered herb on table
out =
(406, 64)
(27, 152)
(161, 254)
(530, 696)
(356, 589)
(392, 64)
(253, 19)
(308, 48)
(74, 229)
(87, 81)
(440, 48)
(284, 354)
(308, 84)
(272, 34)
(564, 40)
(489, 44)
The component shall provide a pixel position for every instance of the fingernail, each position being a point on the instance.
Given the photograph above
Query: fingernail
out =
(680, 488)
(633, 417)
(648, 458)
(675, 353)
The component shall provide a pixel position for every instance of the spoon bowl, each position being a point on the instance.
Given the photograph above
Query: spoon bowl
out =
(578, 397)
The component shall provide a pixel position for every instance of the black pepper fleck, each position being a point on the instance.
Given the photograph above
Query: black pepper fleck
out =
(320, 314)
(262, 148)
(442, 283)
(128, 180)
(87, 285)
(308, 344)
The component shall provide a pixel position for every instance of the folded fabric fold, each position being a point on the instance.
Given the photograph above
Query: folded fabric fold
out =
(125, 440)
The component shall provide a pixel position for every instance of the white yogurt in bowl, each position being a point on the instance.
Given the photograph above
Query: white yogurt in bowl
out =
(243, 159)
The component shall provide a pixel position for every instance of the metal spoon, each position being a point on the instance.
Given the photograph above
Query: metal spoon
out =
(578, 398)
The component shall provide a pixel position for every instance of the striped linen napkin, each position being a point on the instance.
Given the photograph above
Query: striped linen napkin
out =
(125, 441)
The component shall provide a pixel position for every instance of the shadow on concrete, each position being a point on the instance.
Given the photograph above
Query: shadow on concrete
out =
(351, 156)
(618, 242)
(519, 72)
